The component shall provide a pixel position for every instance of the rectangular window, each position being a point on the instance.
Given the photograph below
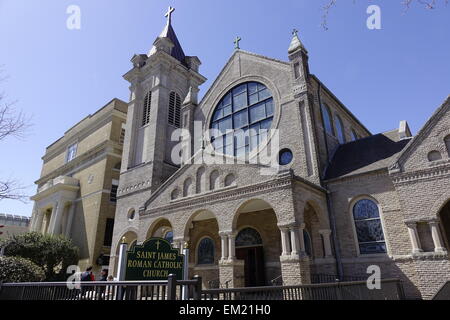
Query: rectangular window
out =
(122, 136)
(71, 152)
(109, 228)
(296, 70)
(113, 194)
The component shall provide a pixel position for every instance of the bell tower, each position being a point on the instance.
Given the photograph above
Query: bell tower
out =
(159, 83)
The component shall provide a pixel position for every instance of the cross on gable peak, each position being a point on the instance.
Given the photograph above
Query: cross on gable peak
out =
(236, 42)
(168, 14)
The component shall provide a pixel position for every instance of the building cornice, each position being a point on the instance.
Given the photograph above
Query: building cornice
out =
(61, 145)
(280, 183)
(441, 171)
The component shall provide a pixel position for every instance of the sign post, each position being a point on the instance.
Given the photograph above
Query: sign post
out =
(121, 268)
(122, 265)
(185, 290)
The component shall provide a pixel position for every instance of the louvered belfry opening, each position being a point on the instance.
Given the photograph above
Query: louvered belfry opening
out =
(147, 107)
(174, 109)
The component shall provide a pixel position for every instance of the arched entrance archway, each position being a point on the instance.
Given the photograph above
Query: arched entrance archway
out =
(444, 216)
(161, 229)
(249, 248)
(257, 242)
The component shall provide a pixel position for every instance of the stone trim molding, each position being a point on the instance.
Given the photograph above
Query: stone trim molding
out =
(235, 193)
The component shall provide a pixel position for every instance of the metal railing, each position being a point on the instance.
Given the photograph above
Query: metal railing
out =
(172, 289)
(102, 290)
(329, 278)
(391, 289)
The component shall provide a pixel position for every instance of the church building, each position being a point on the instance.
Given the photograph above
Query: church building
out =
(333, 200)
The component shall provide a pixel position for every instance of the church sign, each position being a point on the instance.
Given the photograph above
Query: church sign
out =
(155, 259)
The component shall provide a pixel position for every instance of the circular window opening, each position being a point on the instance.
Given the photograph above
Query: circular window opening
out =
(131, 214)
(285, 157)
(242, 119)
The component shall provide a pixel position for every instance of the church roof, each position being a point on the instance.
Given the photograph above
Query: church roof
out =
(364, 155)
(177, 52)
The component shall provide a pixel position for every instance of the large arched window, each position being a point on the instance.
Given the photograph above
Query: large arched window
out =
(242, 119)
(248, 237)
(147, 107)
(205, 251)
(339, 129)
(369, 229)
(326, 116)
(354, 135)
(174, 109)
(308, 242)
(447, 144)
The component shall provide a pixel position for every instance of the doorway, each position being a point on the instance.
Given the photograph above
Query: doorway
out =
(249, 248)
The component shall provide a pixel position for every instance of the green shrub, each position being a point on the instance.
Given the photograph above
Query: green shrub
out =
(17, 269)
(51, 253)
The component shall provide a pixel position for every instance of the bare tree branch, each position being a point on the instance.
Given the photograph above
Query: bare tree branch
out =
(428, 4)
(15, 124)
(11, 189)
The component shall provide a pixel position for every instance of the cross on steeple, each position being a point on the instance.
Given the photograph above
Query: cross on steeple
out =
(294, 32)
(236, 42)
(168, 14)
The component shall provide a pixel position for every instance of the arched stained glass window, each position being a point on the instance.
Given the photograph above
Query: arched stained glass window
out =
(205, 251)
(339, 129)
(248, 237)
(308, 242)
(326, 116)
(242, 119)
(147, 108)
(447, 144)
(369, 229)
(174, 109)
(169, 236)
(354, 135)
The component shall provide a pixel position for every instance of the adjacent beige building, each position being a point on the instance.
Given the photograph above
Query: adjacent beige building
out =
(76, 192)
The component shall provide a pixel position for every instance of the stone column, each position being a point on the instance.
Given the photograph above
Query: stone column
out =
(286, 250)
(56, 228)
(39, 221)
(231, 248)
(51, 222)
(231, 270)
(326, 242)
(414, 236)
(294, 240)
(301, 240)
(224, 245)
(70, 219)
(436, 234)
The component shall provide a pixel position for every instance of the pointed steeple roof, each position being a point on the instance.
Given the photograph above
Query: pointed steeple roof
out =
(296, 44)
(168, 32)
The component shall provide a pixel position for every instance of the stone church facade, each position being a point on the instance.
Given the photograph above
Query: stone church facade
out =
(340, 200)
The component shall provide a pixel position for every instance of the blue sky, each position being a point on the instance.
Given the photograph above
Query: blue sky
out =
(58, 76)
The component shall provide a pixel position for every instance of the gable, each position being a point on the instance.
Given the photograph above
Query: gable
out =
(242, 67)
(428, 145)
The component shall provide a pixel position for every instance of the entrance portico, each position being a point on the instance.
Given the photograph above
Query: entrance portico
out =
(54, 207)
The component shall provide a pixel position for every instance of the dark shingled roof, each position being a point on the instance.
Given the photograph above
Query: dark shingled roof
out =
(177, 52)
(365, 155)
